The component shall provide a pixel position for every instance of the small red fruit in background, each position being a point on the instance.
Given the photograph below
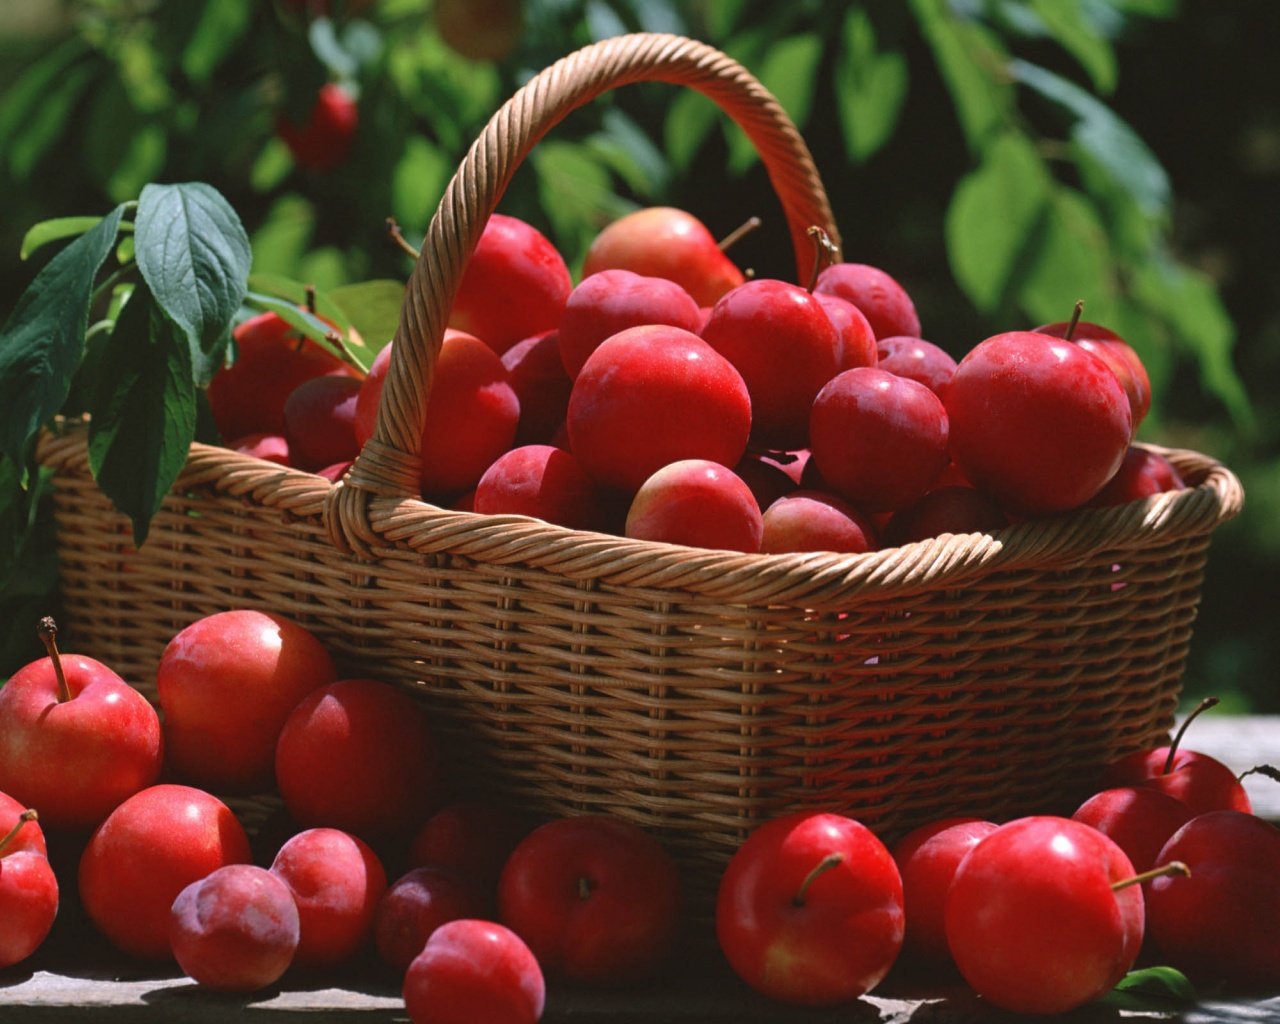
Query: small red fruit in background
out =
(235, 930)
(541, 385)
(470, 836)
(480, 29)
(471, 971)
(145, 853)
(358, 755)
(1138, 819)
(541, 481)
(324, 140)
(28, 889)
(918, 360)
(226, 683)
(597, 899)
(76, 740)
(810, 911)
(319, 422)
(418, 903)
(807, 520)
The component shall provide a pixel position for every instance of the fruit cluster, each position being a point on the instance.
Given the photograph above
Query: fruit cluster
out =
(1039, 914)
(666, 397)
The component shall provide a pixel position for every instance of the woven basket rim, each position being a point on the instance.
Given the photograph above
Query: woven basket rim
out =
(821, 579)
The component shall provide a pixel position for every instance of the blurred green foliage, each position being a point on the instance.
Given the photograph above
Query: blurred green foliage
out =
(990, 154)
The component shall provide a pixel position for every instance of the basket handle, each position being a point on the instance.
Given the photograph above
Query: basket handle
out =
(388, 466)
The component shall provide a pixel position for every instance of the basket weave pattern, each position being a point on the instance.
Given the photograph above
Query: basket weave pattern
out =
(693, 692)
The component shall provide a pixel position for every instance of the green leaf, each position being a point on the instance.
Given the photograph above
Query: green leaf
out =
(870, 87)
(43, 339)
(992, 215)
(54, 230)
(144, 411)
(373, 309)
(418, 181)
(299, 319)
(194, 255)
(1152, 989)
(690, 119)
(789, 71)
(630, 153)
(24, 98)
(1109, 141)
(969, 58)
(1071, 261)
(577, 192)
(1069, 25)
(41, 132)
(1189, 303)
(217, 35)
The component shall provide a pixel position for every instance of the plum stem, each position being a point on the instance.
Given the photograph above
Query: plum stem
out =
(584, 888)
(48, 630)
(311, 299)
(1174, 867)
(1203, 706)
(738, 234)
(1270, 771)
(393, 232)
(1074, 321)
(828, 862)
(28, 815)
(825, 254)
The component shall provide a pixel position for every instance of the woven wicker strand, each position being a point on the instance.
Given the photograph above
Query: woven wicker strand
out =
(479, 184)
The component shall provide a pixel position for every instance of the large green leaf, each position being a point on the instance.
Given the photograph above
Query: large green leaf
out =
(194, 255)
(1072, 261)
(216, 36)
(968, 56)
(1069, 24)
(992, 216)
(25, 99)
(373, 309)
(871, 85)
(143, 411)
(1108, 140)
(43, 339)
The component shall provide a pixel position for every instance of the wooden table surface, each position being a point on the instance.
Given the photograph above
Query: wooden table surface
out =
(81, 979)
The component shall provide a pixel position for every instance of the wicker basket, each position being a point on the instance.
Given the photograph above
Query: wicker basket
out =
(693, 692)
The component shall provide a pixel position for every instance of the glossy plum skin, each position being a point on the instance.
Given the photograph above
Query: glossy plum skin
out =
(698, 503)
(419, 902)
(1219, 924)
(319, 422)
(358, 755)
(515, 285)
(75, 761)
(539, 380)
(661, 241)
(473, 837)
(918, 360)
(952, 509)
(472, 414)
(1138, 819)
(226, 684)
(1032, 921)
(829, 946)
(882, 300)
(235, 930)
(470, 971)
(611, 301)
(145, 853)
(1201, 782)
(1142, 474)
(1118, 354)
(879, 440)
(541, 481)
(28, 903)
(1038, 422)
(336, 880)
(927, 858)
(653, 395)
(815, 521)
(857, 339)
(271, 360)
(569, 885)
(780, 339)
(29, 837)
